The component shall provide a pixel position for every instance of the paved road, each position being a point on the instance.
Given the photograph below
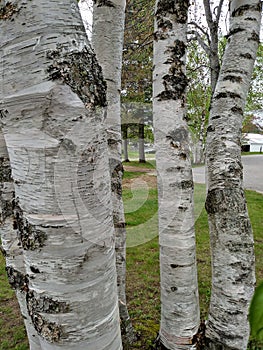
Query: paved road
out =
(253, 173)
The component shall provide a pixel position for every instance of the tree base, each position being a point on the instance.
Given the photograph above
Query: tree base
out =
(157, 344)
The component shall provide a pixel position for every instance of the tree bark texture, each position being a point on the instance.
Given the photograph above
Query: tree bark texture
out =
(52, 120)
(230, 228)
(11, 248)
(179, 289)
(107, 40)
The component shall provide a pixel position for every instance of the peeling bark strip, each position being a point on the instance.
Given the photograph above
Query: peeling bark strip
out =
(81, 72)
(7, 11)
(29, 236)
(177, 8)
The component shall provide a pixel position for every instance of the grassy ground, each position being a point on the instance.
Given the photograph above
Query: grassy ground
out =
(140, 197)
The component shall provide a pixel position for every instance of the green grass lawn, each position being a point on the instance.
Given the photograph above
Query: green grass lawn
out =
(142, 262)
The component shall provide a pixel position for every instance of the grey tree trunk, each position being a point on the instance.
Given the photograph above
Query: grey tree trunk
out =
(213, 25)
(179, 288)
(125, 149)
(12, 250)
(230, 229)
(52, 120)
(141, 143)
(107, 40)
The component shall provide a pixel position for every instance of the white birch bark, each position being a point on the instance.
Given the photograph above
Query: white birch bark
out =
(107, 40)
(230, 229)
(11, 248)
(179, 289)
(52, 120)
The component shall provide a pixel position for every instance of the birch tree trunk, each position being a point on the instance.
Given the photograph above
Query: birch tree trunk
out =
(179, 289)
(52, 120)
(107, 40)
(11, 248)
(230, 229)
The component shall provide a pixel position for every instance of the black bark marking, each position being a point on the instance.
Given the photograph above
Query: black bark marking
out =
(3, 251)
(254, 37)
(223, 200)
(175, 82)
(68, 145)
(233, 78)
(163, 27)
(237, 110)
(106, 3)
(247, 56)
(177, 8)
(242, 9)
(234, 31)
(216, 117)
(5, 170)
(251, 19)
(7, 206)
(227, 94)
(119, 224)
(183, 155)
(174, 87)
(34, 269)
(3, 113)
(176, 52)
(112, 142)
(186, 184)
(8, 10)
(174, 266)
(174, 289)
(210, 128)
(179, 135)
(37, 305)
(80, 71)
(48, 305)
(117, 171)
(16, 279)
(50, 331)
(30, 237)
